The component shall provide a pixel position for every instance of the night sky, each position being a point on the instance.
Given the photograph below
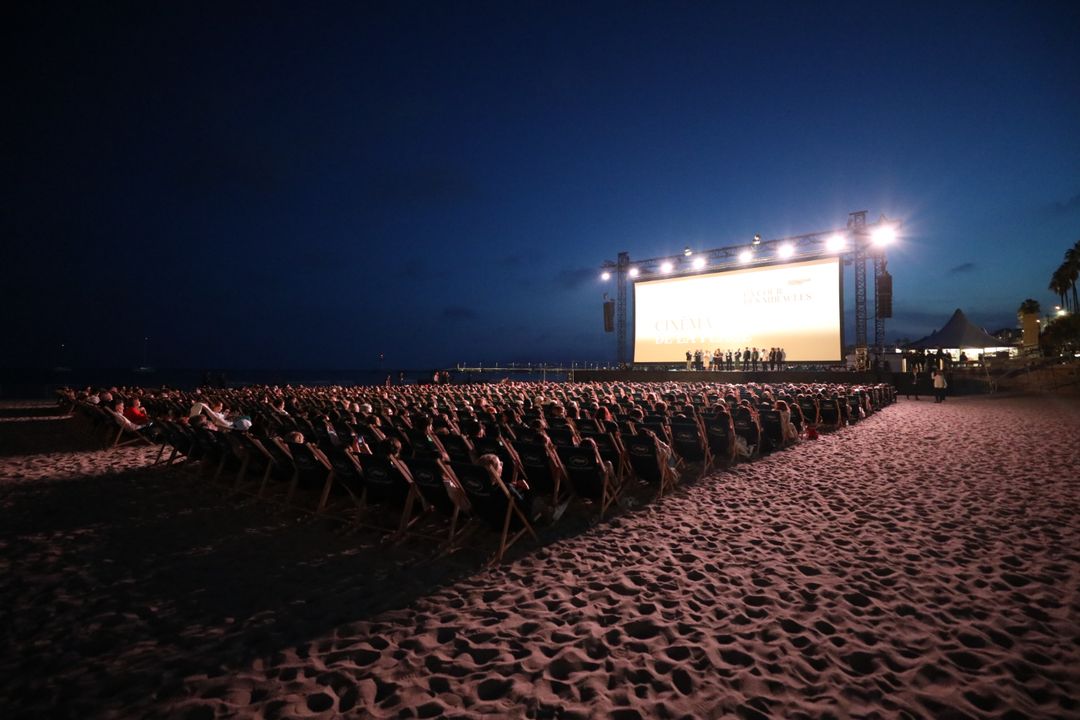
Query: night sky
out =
(298, 185)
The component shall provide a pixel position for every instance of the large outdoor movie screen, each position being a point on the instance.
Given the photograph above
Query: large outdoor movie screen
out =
(795, 306)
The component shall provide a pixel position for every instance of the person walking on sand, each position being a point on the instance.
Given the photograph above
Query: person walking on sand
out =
(913, 383)
(939, 386)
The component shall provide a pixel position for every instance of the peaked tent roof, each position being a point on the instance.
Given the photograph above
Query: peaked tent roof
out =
(959, 332)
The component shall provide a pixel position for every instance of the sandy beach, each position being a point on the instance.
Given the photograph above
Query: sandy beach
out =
(922, 563)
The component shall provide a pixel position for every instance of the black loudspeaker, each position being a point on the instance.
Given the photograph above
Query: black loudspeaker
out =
(609, 316)
(883, 300)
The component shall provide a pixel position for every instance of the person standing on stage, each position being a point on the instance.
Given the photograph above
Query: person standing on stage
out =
(754, 357)
(689, 360)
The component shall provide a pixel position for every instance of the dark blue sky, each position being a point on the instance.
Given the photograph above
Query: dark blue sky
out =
(311, 184)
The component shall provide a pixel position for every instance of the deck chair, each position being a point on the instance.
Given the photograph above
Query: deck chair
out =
(747, 428)
(494, 503)
(254, 458)
(720, 434)
(348, 475)
(660, 426)
(563, 436)
(772, 429)
(543, 469)
(213, 452)
(173, 435)
(504, 450)
(124, 432)
(388, 483)
(457, 447)
(689, 442)
(590, 479)
(612, 451)
(810, 411)
(311, 469)
(649, 461)
(438, 485)
(830, 414)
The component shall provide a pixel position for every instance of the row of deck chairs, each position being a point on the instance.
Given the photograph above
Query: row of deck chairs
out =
(113, 429)
(401, 495)
(371, 488)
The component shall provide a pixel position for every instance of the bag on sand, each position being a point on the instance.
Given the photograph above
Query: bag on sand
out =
(741, 448)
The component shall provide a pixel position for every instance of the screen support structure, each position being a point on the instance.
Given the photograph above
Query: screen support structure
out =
(620, 307)
(811, 245)
(857, 226)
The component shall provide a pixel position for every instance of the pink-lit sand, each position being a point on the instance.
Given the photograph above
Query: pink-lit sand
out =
(923, 563)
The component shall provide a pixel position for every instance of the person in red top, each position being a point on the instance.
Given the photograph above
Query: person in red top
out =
(136, 413)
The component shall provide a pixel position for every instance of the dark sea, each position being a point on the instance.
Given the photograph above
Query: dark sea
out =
(43, 383)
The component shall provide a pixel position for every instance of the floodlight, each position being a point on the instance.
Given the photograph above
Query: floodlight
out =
(757, 239)
(605, 276)
(633, 272)
(836, 243)
(746, 256)
(786, 250)
(883, 235)
(699, 262)
(666, 266)
(687, 251)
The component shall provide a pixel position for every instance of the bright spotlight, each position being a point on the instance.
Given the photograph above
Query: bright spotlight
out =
(666, 267)
(746, 256)
(836, 243)
(883, 235)
(786, 250)
(699, 262)
(687, 251)
(633, 272)
(757, 239)
(605, 276)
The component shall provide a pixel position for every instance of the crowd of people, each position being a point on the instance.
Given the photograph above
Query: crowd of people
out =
(747, 360)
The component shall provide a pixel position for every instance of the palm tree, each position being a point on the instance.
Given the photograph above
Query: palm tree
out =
(1029, 307)
(1072, 271)
(1059, 285)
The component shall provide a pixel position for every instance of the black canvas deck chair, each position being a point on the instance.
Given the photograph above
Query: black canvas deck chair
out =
(175, 436)
(591, 479)
(747, 428)
(388, 484)
(831, 415)
(543, 470)
(439, 486)
(311, 470)
(457, 447)
(689, 442)
(495, 504)
(563, 436)
(810, 411)
(720, 433)
(772, 429)
(650, 461)
(348, 475)
(504, 450)
(611, 450)
(214, 453)
(255, 459)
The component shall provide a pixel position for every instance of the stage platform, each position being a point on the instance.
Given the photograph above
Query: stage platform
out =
(734, 376)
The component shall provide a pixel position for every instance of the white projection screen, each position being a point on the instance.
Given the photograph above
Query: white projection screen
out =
(795, 306)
